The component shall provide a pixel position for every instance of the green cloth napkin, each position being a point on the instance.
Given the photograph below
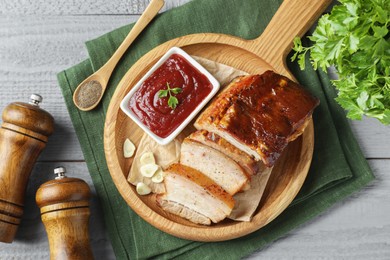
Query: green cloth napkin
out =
(338, 168)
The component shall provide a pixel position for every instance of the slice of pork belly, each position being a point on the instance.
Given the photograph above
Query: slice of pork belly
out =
(259, 114)
(247, 162)
(214, 164)
(192, 195)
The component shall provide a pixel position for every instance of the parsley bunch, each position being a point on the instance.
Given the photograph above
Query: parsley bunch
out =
(355, 39)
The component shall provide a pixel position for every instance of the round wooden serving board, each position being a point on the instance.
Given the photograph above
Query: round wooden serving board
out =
(268, 51)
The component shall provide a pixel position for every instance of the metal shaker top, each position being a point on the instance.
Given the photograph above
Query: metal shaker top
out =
(35, 99)
(63, 192)
(60, 172)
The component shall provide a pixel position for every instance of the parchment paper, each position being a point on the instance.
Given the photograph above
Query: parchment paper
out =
(246, 202)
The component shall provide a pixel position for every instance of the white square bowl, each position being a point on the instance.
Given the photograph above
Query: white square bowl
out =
(125, 102)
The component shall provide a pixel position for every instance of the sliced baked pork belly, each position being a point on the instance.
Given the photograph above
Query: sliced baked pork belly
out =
(214, 164)
(259, 114)
(247, 162)
(192, 195)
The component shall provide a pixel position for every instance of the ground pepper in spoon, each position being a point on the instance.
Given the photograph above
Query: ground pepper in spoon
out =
(89, 93)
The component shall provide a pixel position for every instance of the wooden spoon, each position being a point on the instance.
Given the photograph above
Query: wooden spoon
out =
(89, 93)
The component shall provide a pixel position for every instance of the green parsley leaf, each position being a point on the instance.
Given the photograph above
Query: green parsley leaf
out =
(162, 93)
(172, 102)
(362, 100)
(176, 90)
(353, 43)
(386, 117)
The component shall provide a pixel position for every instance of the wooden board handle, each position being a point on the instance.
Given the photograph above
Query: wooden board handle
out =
(293, 18)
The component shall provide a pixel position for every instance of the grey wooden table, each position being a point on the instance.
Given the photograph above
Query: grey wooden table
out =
(40, 38)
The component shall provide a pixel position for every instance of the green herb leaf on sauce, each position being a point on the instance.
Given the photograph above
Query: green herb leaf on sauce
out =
(172, 100)
(163, 93)
(176, 90)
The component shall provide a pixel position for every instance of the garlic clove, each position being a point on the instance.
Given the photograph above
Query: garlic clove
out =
(158, 177)
(128, 149)
(143, 189)
(148, 170)
(147, 158)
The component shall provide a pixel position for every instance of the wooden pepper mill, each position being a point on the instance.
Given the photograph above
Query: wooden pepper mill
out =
(64, 204)
(23, 135)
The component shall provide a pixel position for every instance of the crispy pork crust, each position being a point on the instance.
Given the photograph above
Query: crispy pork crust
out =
(259, 114)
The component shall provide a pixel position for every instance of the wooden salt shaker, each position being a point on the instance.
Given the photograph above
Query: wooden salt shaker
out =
(23, 135)
(64, 204)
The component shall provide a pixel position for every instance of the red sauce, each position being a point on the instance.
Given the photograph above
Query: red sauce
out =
(154, 111)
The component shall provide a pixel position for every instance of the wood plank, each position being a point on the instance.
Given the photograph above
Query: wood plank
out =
(79, 7)
(373, 137)
(357, 228)
(40, 38)
(34, 49)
